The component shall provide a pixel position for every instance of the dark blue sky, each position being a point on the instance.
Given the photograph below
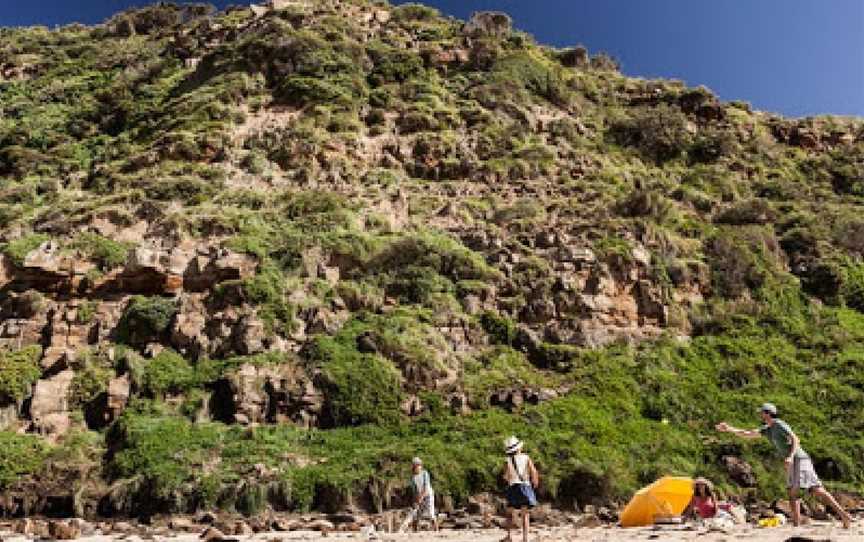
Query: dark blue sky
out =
(796, 57)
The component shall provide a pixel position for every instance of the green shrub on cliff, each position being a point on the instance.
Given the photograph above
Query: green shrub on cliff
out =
(501, 329)
(660, 133)
(167, 452)
(414, 12)
(742, 259)
(106, 253)
(88, 384)
(362, 388)
(170, 373)
(145, 319)
(19, 455)
(19, 370)
(18, 249)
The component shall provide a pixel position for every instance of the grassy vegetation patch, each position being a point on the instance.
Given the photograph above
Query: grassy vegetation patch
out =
(106, 253)
(19, 455)
(19, 370)
(362, 387)
(18, 249)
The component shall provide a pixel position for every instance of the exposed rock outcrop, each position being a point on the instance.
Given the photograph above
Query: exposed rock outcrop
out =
(49, 408)
(488, 23)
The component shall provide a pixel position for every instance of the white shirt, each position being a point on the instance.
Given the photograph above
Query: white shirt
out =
(521, 463)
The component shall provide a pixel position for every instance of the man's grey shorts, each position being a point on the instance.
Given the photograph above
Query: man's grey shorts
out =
(802, 475)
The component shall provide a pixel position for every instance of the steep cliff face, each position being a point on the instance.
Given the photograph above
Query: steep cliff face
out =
(224, 232)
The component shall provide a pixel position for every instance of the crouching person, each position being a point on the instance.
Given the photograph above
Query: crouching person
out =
(424, 496)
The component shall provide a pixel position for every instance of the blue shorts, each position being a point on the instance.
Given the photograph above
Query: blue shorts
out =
(521, 496)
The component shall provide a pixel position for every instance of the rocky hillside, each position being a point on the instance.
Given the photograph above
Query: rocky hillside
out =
(261, 258)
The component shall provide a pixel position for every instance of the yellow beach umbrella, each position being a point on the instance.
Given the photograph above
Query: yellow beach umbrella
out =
(668, 496)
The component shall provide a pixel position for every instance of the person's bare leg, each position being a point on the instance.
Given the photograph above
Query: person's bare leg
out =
(526, 520)
(829, 500)
(795, 505)
(511, 524)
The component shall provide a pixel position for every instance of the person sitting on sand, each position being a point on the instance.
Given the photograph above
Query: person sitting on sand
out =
(704, 504)
(424, 496)
(800, 473)
(521, 477)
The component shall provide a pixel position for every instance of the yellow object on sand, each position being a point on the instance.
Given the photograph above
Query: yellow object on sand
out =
(668, 496)
(776, 521)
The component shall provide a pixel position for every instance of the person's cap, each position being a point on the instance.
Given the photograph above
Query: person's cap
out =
(769, 408)
(512, 445)
(417, 461)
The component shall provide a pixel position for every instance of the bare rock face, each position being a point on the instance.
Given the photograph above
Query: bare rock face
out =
(118, 397)
(512, 399)
(268, 394)
(210, 266)
(489, 23)
(576, 57)
(49, 408)
(199, 331)
(68, 332)
(6, 270)
(64, 530)
(149, 270)
(594, 302)
(48, 269)
(24, 318)
(739, 470)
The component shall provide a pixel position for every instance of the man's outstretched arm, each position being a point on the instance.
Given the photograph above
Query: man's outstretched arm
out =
(724, 427)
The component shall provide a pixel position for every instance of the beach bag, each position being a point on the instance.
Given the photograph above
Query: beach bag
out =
(739, 514)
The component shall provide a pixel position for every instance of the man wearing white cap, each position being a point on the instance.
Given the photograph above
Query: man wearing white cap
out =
(800, 473)
(424, 496)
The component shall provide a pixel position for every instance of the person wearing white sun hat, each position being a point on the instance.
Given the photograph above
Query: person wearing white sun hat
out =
(521, 477)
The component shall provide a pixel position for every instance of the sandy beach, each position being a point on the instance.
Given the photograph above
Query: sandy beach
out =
(816, 532)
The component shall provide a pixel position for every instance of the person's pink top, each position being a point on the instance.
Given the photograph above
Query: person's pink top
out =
(705, 506)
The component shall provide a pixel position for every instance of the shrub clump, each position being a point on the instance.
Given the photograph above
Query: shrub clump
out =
(752, 211)
(106, 253)
(362, 388)
(18, 372)
(501, 329)
(166, 452)
(18, 249)
(170, 373)
(414, 12)
(535, 74)
(145, 319)
(88, 384)
(21, 455)
(660, 133)
(742, 259)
